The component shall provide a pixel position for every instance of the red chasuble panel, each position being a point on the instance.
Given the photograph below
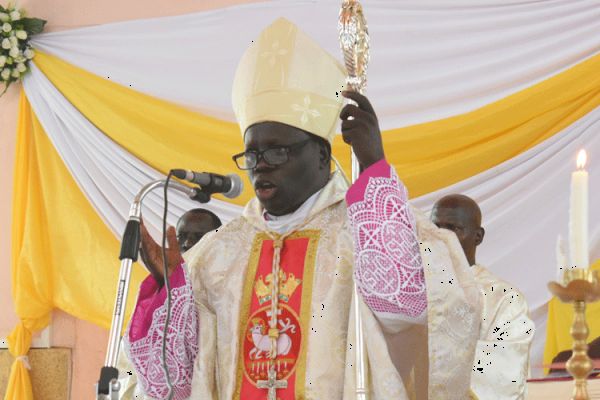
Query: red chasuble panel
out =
(295, 292)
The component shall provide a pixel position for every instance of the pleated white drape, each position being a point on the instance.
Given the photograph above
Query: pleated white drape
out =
(430, 59)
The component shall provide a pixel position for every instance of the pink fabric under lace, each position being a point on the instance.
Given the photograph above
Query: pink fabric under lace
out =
(143, 339)
(388, 267)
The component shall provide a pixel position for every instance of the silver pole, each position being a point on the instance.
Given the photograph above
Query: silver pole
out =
(116, 325)
(354, 41)
(361, 354)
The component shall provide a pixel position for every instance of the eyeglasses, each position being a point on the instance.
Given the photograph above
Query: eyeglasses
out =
(276, 155)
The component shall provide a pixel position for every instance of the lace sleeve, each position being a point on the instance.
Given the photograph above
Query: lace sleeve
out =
(143, 338)
(388, 267)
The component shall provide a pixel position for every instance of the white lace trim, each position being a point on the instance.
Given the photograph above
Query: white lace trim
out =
(388, 265)
(182, 347)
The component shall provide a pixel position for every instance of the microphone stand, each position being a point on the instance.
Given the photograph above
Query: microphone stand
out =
(108, 385)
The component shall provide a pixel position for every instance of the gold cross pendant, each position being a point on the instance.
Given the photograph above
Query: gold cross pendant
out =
(272, 384)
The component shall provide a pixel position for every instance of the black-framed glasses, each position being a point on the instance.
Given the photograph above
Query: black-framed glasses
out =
(276, 155)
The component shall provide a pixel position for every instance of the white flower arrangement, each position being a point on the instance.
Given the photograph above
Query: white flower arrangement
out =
(15, 50)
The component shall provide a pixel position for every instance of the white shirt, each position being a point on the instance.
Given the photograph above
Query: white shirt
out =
(286, 223)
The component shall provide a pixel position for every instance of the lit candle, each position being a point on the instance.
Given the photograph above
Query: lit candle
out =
(578, 223)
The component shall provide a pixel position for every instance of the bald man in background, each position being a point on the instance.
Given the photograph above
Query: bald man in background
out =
(501, 363)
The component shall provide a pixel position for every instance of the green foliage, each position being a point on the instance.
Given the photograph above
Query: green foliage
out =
(33, 26)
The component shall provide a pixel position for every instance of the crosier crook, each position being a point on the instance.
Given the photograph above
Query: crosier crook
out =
(354, 42)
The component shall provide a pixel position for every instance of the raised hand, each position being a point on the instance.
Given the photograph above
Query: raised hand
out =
(151, 254)
(360, 129)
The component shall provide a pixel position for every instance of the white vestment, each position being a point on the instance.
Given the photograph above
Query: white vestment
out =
(501, 363)
(438, 355)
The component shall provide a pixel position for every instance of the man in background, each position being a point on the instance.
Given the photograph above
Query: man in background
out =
(193, 225)
(501, 361)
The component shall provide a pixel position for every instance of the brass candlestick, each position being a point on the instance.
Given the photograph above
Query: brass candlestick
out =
(580, 286)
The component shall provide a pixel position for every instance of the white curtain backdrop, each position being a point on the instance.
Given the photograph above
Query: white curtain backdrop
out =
(430, 59)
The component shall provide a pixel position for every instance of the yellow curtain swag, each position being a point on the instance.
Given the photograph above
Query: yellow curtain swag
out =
(428, 156)
(162, 134)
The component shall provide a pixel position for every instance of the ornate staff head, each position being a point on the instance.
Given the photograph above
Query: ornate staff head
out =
(354, 41)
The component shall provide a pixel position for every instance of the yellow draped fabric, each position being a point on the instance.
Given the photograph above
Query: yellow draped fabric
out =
(428, 157)
(560, 317)
(63, 254)
(31, 305)
(62, 249)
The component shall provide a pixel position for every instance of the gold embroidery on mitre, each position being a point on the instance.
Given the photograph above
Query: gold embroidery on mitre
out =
(306, 110)
(288, 283)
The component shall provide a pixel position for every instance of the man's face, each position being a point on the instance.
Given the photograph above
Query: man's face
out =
(460, 221)
(191, 228)
(281, 189)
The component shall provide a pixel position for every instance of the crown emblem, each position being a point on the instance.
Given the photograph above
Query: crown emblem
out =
(288, 283)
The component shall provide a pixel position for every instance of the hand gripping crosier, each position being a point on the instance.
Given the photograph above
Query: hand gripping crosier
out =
(354, 41)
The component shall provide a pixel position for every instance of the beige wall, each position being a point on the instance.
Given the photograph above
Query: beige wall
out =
(88, 341)
(8, 126)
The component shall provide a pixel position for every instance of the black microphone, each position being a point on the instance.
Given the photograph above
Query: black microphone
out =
(230, 185)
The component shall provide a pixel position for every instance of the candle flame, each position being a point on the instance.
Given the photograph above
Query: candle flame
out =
(581, 159)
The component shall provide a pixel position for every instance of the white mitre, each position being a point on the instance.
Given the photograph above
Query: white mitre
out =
(285, 76)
